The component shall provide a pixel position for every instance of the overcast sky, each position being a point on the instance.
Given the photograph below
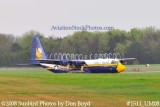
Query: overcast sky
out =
(20, 16)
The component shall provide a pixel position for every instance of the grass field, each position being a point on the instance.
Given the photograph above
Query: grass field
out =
(102, 90)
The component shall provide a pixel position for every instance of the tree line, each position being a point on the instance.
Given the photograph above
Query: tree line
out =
(142, 44)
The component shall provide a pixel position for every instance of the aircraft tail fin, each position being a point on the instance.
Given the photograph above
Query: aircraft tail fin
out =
(37, 51)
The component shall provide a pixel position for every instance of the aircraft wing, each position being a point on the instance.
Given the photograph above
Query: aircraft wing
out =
(122, 60)
(99, 65)
(48, 61)
(126, 59)
(77, 63)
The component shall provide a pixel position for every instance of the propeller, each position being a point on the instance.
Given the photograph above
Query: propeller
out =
(82, 67)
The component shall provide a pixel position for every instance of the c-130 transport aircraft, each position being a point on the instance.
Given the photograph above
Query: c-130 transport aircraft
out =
(40, 58)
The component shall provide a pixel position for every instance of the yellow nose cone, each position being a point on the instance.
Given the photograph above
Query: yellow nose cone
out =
(120, 67)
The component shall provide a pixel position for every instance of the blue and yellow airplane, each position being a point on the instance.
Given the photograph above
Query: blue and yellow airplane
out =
(39, 58)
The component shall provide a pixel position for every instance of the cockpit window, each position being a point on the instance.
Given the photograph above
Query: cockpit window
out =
(114, 62)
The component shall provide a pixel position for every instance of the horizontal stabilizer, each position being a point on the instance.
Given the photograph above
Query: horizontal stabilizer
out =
(27, 64)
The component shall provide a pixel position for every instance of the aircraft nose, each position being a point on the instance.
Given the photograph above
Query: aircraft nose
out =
(120, 67)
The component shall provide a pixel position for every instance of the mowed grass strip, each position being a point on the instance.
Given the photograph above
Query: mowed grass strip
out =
(34, 84)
